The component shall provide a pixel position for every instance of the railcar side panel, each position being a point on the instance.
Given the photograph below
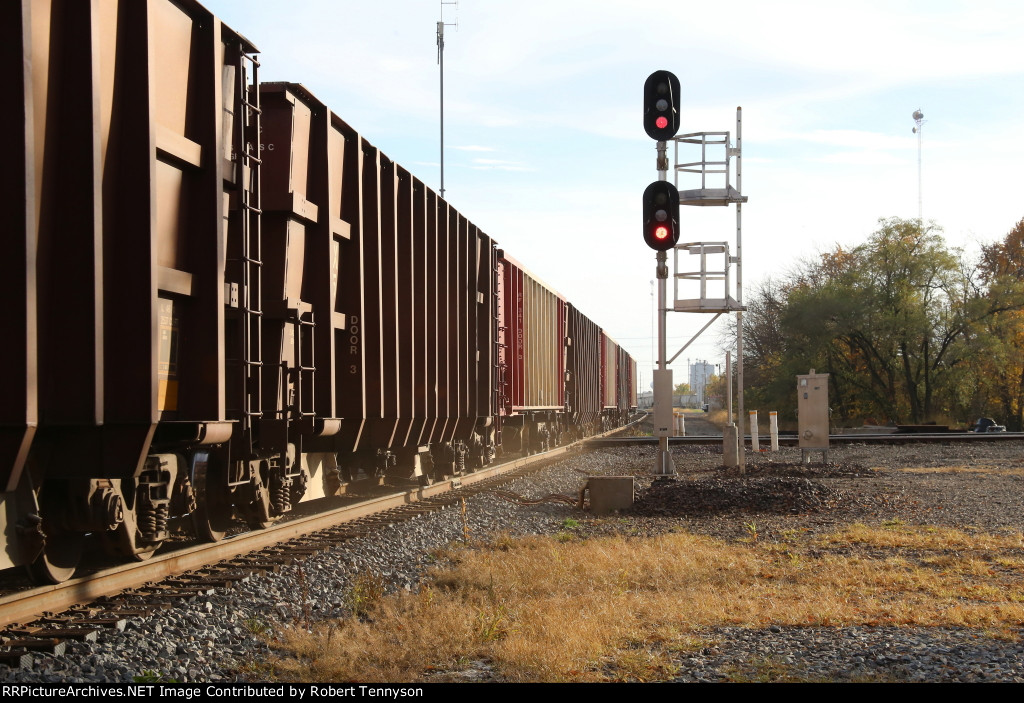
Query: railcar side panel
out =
(19, 415)
(534, 317)
(623, 380)
(609, 372)
(483, 344)
(583, 369)
(433, 314)
(371, 313)
(410, 421)
(420, 371)
(634, 380)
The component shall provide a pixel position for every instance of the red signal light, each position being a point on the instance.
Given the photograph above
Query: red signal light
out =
(661, 105)
(661, 215)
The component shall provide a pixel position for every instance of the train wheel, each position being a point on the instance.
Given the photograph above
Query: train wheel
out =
(257, 510)
(124, 543)
(59, 558)
(257, 524)
(62, 548)
(257, 513)
(423, 464)
(212, 516)
(477, 452)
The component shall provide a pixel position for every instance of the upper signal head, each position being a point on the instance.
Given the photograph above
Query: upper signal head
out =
(661, 105)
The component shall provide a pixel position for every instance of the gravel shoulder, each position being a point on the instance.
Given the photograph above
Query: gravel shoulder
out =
(954, 485)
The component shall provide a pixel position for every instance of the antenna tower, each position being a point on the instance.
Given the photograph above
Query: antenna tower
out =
(440, 62)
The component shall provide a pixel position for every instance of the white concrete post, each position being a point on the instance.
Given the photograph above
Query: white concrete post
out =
(773, 429)
(755, 442)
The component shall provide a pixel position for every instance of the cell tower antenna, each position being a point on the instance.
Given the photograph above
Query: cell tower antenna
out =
(440, 62)
(918, 130)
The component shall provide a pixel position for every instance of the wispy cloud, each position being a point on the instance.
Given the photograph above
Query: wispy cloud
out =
(474, 147)
(861, 158)
(499, 165)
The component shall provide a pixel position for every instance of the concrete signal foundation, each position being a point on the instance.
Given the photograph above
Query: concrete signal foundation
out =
(610, 493)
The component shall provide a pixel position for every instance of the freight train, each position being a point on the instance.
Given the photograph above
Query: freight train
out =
(220, 299)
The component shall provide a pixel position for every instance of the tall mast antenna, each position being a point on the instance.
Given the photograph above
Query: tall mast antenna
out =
(440, 62)
(918, 130)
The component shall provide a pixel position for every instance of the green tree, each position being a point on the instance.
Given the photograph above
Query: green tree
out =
(888, 320)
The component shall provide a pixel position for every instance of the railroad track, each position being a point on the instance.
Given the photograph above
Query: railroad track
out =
(41, 619)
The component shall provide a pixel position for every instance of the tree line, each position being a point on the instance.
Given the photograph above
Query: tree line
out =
(909, 329)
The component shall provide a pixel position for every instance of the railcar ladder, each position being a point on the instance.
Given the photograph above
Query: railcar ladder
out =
(301, 405)
(246, 137)
(500, 399)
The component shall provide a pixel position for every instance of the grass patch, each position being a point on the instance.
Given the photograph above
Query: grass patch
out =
(367, 588)
(895, 535)
(624, 609)
(719, 418)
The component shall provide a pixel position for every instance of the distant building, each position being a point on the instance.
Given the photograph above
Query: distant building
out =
(700, 373)
(645, 399)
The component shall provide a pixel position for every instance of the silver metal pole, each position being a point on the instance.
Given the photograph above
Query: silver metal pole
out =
(664, 465)
(739, 290)
(440, 61)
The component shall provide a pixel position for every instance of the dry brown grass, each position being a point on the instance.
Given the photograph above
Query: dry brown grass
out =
(616, 608)
(719, 418)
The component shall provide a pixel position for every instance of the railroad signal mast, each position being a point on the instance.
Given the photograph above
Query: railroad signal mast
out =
(661, 229)
(661, 232)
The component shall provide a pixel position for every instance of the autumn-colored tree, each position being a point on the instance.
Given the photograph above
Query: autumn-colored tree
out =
(906, 328)
(996, 342)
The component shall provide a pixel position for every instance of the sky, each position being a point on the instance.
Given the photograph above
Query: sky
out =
(545, 149)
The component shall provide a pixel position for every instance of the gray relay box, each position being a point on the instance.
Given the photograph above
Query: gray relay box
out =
(812, 410)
